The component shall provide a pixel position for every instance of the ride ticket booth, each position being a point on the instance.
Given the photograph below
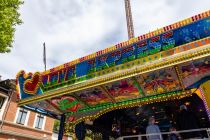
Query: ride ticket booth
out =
(170, 63)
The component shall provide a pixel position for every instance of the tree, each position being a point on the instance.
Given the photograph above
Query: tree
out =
(56, 126)
(9, 18)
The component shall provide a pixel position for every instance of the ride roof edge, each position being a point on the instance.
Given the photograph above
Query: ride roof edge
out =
(176, 59)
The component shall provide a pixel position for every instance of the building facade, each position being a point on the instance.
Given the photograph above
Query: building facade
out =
(18, 123)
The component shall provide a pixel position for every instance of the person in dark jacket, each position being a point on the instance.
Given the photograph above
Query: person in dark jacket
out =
(80, 131)
(187, 120)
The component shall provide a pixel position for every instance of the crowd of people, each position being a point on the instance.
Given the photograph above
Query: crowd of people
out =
(186, 120)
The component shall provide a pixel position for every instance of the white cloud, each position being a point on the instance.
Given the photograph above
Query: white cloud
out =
(74, 28)
(152, 14)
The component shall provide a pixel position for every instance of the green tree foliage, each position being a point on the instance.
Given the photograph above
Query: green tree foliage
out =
(56, 126)
(9, 18)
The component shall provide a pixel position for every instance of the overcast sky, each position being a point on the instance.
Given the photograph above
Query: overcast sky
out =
(75, 28)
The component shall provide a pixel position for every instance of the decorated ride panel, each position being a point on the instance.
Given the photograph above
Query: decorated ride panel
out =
(194, 71)
(161, 81)
(156, 47)
(66, 103)
(93, 96)
(124, 89)
(28, 84)
(45, 105)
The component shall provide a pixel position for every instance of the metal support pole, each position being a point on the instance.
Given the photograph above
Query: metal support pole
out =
(208, 132)
(160, 136)
(129, 19)
(62, 125)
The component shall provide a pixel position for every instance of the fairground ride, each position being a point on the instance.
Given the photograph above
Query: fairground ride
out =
(169, 63)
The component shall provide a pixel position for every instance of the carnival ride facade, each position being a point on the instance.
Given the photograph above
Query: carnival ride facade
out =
(169, 63)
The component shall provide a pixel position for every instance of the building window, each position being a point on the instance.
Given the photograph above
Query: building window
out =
(2, 99)
(3, 102)
(39, 121)
(21, 116)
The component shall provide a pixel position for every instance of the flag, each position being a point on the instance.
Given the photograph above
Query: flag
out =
(44, 56)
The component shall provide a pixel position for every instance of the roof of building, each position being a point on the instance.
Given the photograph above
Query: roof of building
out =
(7, 85)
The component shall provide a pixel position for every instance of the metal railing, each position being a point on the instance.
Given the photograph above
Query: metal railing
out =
(139, 137)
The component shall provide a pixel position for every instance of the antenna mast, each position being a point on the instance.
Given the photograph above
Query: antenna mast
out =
(129, 19)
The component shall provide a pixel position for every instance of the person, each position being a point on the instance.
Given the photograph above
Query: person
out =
(80, 131)
(187, 120)
(153, 129)
(173, 135)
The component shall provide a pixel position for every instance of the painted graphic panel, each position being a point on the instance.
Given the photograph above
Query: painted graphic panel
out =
(124, 89)
(45, 106)
(66, 103)
(195, 71)
(159, 81)
(93, 96)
